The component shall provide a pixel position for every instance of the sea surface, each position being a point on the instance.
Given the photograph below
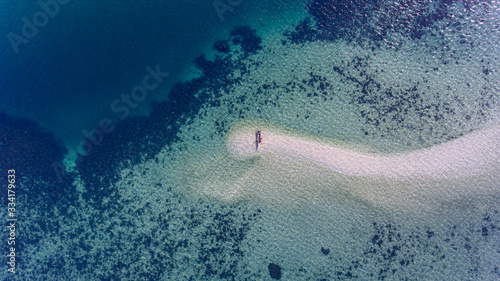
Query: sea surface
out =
(114, 119)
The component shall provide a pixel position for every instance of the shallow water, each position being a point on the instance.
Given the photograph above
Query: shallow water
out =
(162, 198)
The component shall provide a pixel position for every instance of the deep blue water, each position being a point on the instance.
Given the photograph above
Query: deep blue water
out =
(66, 77)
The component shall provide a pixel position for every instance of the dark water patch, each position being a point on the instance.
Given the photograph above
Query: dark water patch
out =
(490, 224)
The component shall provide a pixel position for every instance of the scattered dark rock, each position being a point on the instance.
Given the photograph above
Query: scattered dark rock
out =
(274, 271)
(325, 251)
(484, 231)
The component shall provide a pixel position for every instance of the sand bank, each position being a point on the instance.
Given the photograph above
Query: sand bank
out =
(471, 155)
(294, 168)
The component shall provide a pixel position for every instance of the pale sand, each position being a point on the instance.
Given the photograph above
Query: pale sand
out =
(471, 155)
(290, 168)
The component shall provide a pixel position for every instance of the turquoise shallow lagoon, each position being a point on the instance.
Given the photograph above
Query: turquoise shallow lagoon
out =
(176, 191)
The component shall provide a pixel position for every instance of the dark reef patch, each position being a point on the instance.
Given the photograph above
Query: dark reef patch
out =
(247, 38)
(337, 18)
(222, 46)
(359, 20)
(28, 149)
(274, 271)
(222, 239)
(213, 69)
(36, 156)
(304, 32)
(40, 181)
(206, 237)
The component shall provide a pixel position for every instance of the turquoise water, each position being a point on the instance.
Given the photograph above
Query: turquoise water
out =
(160, 197)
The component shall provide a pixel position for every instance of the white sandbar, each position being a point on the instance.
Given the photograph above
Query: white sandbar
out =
(473, 154)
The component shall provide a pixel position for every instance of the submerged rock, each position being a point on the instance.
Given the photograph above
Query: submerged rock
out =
(325, 251)
(247, 38)
(222, 46)
(274, 271)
